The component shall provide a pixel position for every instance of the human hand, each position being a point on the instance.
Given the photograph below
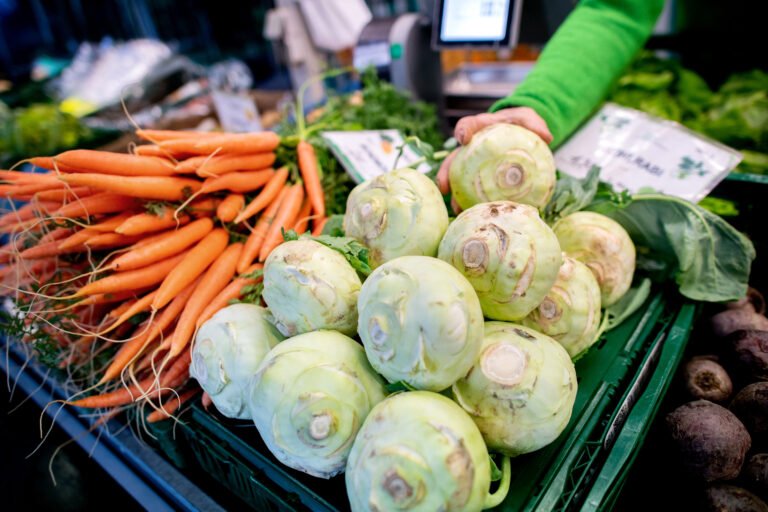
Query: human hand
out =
(469, 125)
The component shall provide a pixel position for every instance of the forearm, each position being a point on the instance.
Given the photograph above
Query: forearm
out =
(582, 61)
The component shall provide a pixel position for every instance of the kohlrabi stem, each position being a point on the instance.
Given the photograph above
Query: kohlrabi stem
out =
(300, 121)
(495, 499)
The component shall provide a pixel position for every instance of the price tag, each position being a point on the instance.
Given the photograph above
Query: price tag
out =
(637, 151)
(369, 153)
(236, 112)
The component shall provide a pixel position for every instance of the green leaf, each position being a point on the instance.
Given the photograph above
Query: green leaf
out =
(355, 253)
(708, 258)
(635, 297)
(721, 207)
(334, 226)
(398, 387)
(572, 194)
(495, 471)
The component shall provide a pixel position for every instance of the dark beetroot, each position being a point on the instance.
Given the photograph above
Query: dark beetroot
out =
(748, 350)
(732, 320)
(729, 498)
(750, 405)
(706, 379)
(755, 474)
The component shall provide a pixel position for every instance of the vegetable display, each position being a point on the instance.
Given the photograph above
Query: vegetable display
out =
(400, 213)
(308, 286)
(508, 253)
(520, 391)
(420, 451)
(310, 396)
(503, 162)
(227, 352)
(420, 322)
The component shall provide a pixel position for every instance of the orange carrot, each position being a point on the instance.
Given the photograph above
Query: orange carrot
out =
(96, 204)
(46, 250)
(310, 173)
(151, 150)
(256, 238)
(173, 242)
(206, 166)
(132, 279)
(63, 194)
(142, 223)
(171, 406)
(77, 239)
(303, 217)
(246, 181)
(162, 135)
(110, 224)
(133, 348)
(285, 218)
(25, 190)
(231, 292)
(225, 143)
(205, 207)
(56, 234)
(122, 308)
(44, 162)
(215, 279)
(121, 164)
(139, 306)
(266, 196)
(110, 240)
(104, 298)
(194, 264)
(319, 227)
(164, 188)
(230, 207)
(26, 212)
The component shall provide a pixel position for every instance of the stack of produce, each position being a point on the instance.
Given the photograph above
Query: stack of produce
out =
(116, 260)
(722, 435)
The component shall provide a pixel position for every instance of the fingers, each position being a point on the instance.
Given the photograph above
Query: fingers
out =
(442, 174)
(521, 116)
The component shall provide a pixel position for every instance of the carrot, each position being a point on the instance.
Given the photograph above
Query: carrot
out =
(139, 306)
(132, 279)
(205, 207)
(151, 150)
(285, 218)
(46, 250)
(310, 173)
(319, 227)
(126, 395)
(206, 166)
(122, 308)
(104, 298)
(131, 349)
(142, 223)
(232, 291)
(55, 234)
(173, 242)
(303, 217)
(96, 204)
(225, 143)
(246, 181)
(162, 135)
(25, 190)
(256, 238)
(110, 224)
(63, 194)
(77, 239)
(230, 207)
(44, 162)
(26, 212)
(21, 177)
(164, 188)
(215, 279)
(110, 240)
(193, 264)
(171, 406)
(121, 164)
(266, 196)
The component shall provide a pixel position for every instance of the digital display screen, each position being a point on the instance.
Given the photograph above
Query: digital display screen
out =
(474, 20)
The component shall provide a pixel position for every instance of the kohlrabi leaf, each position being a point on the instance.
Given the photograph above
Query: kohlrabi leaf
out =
(571, 194)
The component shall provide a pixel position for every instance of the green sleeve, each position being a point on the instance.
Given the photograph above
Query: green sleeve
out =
(583, 59)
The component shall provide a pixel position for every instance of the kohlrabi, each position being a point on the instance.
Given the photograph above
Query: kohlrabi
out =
(309, 286)
(570, 313)
(400, 213)
(503, 162)
(419, 451)
(604, 246)
(310, 397)
(227, 351)
(420, 322)
(507, 252)
(521, 390)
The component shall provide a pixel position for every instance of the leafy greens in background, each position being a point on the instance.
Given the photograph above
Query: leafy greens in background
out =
(736, 115)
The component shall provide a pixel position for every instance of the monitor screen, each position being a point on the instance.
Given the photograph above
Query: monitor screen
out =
(476, 23)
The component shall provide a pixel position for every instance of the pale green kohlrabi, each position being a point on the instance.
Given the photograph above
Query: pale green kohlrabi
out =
(227, 351)
(308, 286)
(507, 252)
(503, 162)
(420, 322)
(419, 451)
(570, 313)
(310, 397)
(604, 246)
(400, 213)
(521, 391)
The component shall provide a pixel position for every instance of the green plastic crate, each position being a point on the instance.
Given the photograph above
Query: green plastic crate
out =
(559, 477)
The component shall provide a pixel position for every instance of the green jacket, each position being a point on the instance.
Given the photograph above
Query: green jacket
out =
(583, 59)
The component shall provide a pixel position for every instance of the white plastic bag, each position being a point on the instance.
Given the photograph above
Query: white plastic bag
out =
(335, 24)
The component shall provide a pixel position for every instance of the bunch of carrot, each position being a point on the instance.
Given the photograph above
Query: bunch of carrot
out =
(92, 252)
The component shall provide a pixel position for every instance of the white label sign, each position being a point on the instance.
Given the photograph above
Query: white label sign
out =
(637, 151)
(366, 154)
(236, 112)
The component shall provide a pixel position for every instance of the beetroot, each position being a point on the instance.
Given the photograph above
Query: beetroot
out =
(729, 498)
(732, 320)
(755, 474)
(753, 299)
(749, 353)
(751, 406)
(710, 440)
(706, 379)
